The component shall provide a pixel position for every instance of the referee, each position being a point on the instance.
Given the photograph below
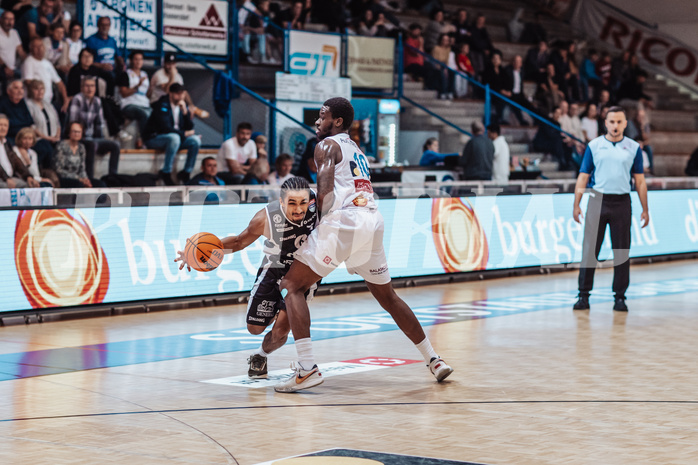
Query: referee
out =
(607, 166)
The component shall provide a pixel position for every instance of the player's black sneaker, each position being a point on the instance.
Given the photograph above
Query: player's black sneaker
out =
(258, 366)
(620, 306)
(582, 303)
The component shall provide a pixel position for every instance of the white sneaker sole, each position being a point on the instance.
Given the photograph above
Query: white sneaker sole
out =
(443, 374)
(287, 387)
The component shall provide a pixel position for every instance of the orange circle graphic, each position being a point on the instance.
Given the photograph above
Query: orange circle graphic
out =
(59, 259)
(458, 235)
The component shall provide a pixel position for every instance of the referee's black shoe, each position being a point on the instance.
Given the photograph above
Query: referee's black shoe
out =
(620, 306)
(582, 303)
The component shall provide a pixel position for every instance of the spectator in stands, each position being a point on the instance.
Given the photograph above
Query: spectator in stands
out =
(572, 125)
(478, 155)
(13, 105)
(236, 154)
(515, 88)
(106, 52)
(133, 88)
(462, 27)
(57, 49)
(75, 42)
(378, 28)
(60, 14)
(548, 95)
(515, 26)
(164, 78)
(564, 115)
(548, 139)
(332, 14)
(574, 89)
(86, 109)
(274, 37)
(431, 155)
(258, 173)
(414, 61)
(260, 141)
(604, 101)
(464, 65)
(47, 124)
(638, 129)
(307, 167)
(497, 79)
(559, 58)
(293, 18)
(10, 47)
(588, 76)
(25, 140)
(383, 6)
(69, 160)
(443, 78)
(536, 63)
(245, 10)
(633, 89)
(18, 7)
(501, 162)
(86, 67)
(170, 128)
(35, 22)
(534, 32)
(590, 124)
(436, 27)
(480, 45)
(283, 165)
(13, 173)
(208, 175)
(619, 69)
(603, 69)
(253, 28)
(38, 67)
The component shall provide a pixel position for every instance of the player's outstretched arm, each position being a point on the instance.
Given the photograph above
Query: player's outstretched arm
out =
(327, 155)
(258, 226)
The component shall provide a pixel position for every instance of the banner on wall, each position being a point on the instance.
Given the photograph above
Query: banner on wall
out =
(315, 54)
(110, 255)
(659, 52)
(143, 11)
(197, 27)
(371, 62)
(36, 197)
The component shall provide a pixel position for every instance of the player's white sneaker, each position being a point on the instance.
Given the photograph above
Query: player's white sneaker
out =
(301, 379)
(439, 369)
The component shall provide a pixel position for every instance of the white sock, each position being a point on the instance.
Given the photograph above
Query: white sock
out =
(304, 347)
(427, 350)
(261, 352)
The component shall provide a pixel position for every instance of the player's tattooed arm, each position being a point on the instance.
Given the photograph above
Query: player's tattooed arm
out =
(258, 227)
(327, 154)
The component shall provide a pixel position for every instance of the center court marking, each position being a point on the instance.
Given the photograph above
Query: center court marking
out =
(121, 353)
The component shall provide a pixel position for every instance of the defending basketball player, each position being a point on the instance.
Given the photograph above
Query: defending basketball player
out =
(285, 223)
(350, 231)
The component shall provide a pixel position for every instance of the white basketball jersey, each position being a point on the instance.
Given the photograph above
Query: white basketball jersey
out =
(352, 178)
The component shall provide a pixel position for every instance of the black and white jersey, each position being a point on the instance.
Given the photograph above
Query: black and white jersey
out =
(286, 236)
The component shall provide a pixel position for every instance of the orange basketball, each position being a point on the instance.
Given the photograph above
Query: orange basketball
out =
(204, 251)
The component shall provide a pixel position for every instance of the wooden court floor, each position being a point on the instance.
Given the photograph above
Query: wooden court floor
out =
(544, 385)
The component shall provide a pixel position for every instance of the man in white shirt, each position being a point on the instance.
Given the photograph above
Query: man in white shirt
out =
(283, 164)
(237, 154)
(38, 67)
(133, 88)
(501, 162)
(10, 46)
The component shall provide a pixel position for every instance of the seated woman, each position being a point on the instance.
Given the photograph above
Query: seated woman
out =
(46, 121)
(69, 160)
(24, 141)
(431, 155)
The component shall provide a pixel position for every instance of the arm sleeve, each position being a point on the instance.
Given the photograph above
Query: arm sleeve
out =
(588, 162)
(637, 163)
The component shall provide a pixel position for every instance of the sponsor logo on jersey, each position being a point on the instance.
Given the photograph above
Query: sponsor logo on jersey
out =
(355, 171)
(379, 270)
(327, 260)
(277, 218)
(265, 308)
(311, 207)
(258, 320)
(300, 240)
(363, 185)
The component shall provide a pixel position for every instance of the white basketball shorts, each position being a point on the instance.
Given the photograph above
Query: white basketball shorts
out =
(353, 236)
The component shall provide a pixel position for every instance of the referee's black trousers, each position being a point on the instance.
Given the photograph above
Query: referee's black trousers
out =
(615, 211)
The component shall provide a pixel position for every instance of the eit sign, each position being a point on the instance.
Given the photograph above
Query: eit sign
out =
(312, 54)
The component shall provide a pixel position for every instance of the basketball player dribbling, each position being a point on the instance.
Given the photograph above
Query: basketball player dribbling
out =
(350, 231)
(285, 223)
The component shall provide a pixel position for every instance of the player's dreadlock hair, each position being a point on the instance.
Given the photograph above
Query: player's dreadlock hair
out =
(295, 183)
(341, 108)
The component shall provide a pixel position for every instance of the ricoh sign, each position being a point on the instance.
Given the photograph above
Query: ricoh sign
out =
(659, 52)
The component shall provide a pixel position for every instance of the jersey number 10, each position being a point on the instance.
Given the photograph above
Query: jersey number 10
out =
(360, 160)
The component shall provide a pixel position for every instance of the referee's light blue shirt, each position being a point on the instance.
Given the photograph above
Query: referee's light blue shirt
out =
(611, 164)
